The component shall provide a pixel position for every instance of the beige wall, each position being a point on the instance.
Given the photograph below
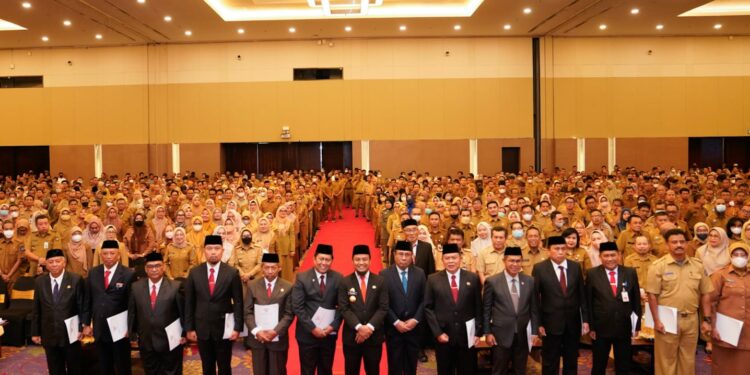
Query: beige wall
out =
(596, 154)
(489, 154)
(439, 157)
(201, 157)
(121, 159)
(74, 161)
(645, 153)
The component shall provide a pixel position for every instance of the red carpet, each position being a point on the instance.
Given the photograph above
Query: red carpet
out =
(342, 235)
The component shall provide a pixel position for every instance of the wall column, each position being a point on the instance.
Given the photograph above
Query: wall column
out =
(611, 154)
(98, 164)
(474, 157)
(175, 158)
(581, 154)
(365, 150)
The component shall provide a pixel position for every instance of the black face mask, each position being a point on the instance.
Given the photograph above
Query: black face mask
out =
(454, 216)
(246, 240)
(138, 223)
(702, 236)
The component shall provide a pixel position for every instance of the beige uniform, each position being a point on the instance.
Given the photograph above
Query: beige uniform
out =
(247, 260)
(38, 244)
(530, 259)
(641, 265)
(179, 260)
(681, 287)
(490, 262)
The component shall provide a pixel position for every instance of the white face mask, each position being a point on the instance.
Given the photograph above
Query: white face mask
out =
(197, 227)
(416, 217)
(76, 237)
(739, 262)
(8, 233)
(527, 217)
(169, 234)
(735, 230)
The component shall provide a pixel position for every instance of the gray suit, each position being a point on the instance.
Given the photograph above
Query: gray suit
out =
(269, 358)
(508, 325)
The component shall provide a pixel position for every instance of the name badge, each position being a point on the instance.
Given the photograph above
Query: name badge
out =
(625, 296)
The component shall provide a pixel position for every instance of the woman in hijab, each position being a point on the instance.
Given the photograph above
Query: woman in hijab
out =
(700, 236)
(714, 254)
(179, 256)
(217, 217)
(113, 219)
(208, 225)
(110, 233)
(196, 233)
(597, 237)
(734, 229)
(140, 241)
(77, 253)
(232, 234)
(264, 237)
(226, 244)
(158, 223)
(483, 240)
(746, 233)
(93, 235)
(285, 237)
(385, 212)
(64, 224)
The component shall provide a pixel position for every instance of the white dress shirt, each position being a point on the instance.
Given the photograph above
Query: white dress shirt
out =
(556, 268)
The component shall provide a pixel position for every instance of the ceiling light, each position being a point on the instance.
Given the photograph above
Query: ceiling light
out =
(659, 27)
(402, 27)
(168, 18)
(635, 11)
(67, 23)
(188, 33)
(292, 30)
(347, 28)
(717, 26)
(26, 5)
(602, 27)
(506, 26)
(526, 10)
(98, 36)
(45, 39)
(240, 31)
(457, 27)
(141, 1)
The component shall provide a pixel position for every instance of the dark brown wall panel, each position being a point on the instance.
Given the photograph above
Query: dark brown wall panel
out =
(439, 157)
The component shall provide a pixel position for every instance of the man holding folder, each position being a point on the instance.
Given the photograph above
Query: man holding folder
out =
(155, 312)
(677, 283)
(268, 315)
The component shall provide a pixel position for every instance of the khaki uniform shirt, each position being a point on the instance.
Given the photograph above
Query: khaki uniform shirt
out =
(641, 265)
(530, 259)
(490, 262)
(678, 286)
(179, 260)
(8, 255)
(38, 245)
(732, 295)
(246, 259)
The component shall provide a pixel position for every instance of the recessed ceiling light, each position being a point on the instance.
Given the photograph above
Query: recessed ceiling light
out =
(168, 18)
(456, 27)
(659, 27)
(45, 39)
(635, 11)
(240, 31)
(141, 1)
(98, 36)
(26, 4)
(347, 28)
(292, 30)
(402, 27)
(527, 10)
(717, 26)
(188, 33)
(602, 27)
(506, 26)
(67, 23)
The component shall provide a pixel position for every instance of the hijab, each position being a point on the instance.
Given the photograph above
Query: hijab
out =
(714, 258)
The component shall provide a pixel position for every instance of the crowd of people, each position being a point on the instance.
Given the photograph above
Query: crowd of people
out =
(503, 261)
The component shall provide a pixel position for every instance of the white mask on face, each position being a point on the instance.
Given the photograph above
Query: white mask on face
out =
(735, 230)
(8, 233)
(197, 227)
(527, 217)
(739, 262)
(76, 238)
(169, 234)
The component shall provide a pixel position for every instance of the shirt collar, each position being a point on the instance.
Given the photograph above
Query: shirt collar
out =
(113, 269)
(58, 279)
(216, 267)
(158, 284)
(564, 264)
(318, 275)
(509, 278)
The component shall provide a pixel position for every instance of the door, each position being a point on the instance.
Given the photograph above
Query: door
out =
(511, 159)
(706, 152)
(15, 160)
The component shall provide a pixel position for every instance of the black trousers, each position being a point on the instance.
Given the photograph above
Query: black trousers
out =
(354, 355)
(269, 362)
(215, 353)
(565, 346)
(600, 353)
(455, 360)
(114, 357)
(64, 360)
(515, 357)
(402, 349)
(160, 363)
(318, 356)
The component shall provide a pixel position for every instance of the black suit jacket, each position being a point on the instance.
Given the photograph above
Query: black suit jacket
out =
(150, 324)
(204, 313)
(444, 315)
(500, 316)
(609, 314)
(48, 317)
(404, 306)
(306, 299)
(425, 259)
(256, 294)
(109, 302)
(372, 311)
(558, 310)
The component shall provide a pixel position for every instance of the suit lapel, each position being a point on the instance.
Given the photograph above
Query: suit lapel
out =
(115, 277)
(505, 289)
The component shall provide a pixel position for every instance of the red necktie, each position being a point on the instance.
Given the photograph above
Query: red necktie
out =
(613, 283)
(106, 279)
(454, 288)
(211, 282)
(153, 296)
(363, 287)
(269, 290)
(322, 285)
(563, 282)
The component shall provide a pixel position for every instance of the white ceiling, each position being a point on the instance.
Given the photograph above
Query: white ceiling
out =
(127, 22)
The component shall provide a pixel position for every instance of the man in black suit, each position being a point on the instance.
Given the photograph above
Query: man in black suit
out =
(269, 345)
(561, 295)
(406, 288)
(109, 291)
(509, 306)
(155, 303)
(58, 296)
(213, 289)
(452, 299)
(363, 302)
(314, 289)
(613, 295)
(424, 259)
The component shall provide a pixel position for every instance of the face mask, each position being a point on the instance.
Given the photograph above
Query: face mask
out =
(246, 222)
(416, 217)
(8, 233)
(76, 237)
(739, 262)
(403, 199)
(720, 208)
(517, 233)
(465, 220)
(559, 224)
(501, 214)
(428, 211)
(454, 216)
(109, 204)
(502, 191)
(735, 230)
(14, 214)
(527, 217)
(139, 223)
(702, 236)
(246, 240)
(169, 234)
(4, 212)
(64, 217)
(197, 227)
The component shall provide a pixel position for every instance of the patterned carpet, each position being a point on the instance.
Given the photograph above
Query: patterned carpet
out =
(30, 360)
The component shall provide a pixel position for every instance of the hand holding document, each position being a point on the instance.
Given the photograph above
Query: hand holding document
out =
(471, 329)
(728, 329)
(267, 317)
(118, 325)
(72, 324)
(174, 334)
(323, 317)
(668, 317)
(529, 337)
(229, 326)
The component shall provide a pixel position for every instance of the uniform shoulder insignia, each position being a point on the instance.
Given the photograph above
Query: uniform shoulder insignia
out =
(694, 259)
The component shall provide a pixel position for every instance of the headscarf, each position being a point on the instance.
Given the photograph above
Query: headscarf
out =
(622, 224)
(93, 240)
(714, 258)
(695, 230)
(424, 235)
(184, 241)
(77, 251)
(592, 252)
(160, 224)
(478, 244)
(743, 235)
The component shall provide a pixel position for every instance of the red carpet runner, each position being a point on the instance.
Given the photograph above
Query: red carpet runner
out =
(342, 235)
